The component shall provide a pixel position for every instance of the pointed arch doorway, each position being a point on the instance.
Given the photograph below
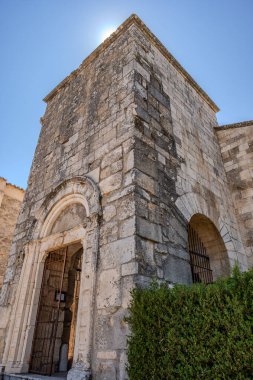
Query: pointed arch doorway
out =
(54, 337)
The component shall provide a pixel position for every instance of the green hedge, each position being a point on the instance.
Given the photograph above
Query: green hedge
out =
(195, 332)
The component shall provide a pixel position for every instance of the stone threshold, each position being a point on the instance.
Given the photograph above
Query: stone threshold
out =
(31, 376)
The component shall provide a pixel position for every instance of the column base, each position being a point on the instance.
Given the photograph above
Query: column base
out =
(79, 374)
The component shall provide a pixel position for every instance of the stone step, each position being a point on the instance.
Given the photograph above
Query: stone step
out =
(30, 376)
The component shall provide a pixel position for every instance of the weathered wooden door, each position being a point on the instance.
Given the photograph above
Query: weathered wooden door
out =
(50, 317)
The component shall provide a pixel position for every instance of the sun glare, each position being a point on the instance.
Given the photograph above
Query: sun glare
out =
(106, 33)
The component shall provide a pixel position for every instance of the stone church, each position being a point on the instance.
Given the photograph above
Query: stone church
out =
(132, 180)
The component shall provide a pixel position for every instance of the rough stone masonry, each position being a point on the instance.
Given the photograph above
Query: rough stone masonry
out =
(133, 139)
(11, 198)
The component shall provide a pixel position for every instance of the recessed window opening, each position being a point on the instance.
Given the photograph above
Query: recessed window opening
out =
(208, 254)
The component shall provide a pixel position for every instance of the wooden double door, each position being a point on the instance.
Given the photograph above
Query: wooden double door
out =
(54, 336)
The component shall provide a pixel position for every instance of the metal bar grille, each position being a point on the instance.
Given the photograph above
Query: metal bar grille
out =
(200, 262)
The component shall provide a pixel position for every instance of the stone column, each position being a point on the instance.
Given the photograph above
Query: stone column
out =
(81, 368)
(14, 349)
(32, 304)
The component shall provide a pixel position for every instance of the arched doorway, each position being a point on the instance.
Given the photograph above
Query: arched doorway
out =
(54, 337)
(69, 215)
(208, 254)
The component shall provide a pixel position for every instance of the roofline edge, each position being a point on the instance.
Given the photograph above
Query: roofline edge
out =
(134, 19)
(241, 124)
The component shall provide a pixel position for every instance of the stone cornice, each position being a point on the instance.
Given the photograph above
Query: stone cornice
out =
(16, 187)
(134, 19)
(11, 185)
(248, 123)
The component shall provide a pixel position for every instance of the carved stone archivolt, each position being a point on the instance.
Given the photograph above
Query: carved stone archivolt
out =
(81, 190)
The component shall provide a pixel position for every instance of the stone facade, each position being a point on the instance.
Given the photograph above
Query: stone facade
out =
(236, 142)
(11, 198)
(130, 138)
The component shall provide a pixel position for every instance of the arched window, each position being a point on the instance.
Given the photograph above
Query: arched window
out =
(200, 262)
(208, 254)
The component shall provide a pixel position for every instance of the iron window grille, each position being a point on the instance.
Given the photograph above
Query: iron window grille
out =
(200, 261)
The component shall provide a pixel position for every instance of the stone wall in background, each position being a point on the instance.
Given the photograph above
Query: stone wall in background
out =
(10, 202)
(236, 141)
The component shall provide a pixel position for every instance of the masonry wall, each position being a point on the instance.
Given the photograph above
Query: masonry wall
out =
(237, 153)
(87, 130)
(179, 168)
(10, 203)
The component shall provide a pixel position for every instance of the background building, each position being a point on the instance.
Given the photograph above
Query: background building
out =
(11, 198)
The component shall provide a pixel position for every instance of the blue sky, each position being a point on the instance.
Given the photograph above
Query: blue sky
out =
(42, 41)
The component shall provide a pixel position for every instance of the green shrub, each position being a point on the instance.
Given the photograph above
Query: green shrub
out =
(192, 332)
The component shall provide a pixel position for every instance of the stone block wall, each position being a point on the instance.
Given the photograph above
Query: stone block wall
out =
(236, 142)
(87, 130)
(178, 165)
(10, 202)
